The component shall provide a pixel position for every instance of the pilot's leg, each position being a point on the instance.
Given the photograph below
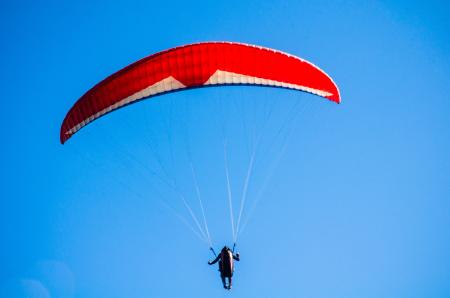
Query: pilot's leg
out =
(223, 281)
(229, 282)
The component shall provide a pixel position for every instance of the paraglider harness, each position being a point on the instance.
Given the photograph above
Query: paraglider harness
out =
(225, 259)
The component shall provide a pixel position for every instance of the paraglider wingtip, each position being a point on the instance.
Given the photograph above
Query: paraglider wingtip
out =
(63, 138)
(337, 97)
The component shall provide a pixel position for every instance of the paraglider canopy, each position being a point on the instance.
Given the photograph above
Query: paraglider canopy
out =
(193, 66)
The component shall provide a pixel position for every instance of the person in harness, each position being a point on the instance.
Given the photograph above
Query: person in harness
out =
(226, 265)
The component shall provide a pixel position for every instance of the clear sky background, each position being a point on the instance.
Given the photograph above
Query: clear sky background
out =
(358, 206)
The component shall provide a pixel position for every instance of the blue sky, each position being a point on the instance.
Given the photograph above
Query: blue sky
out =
(358, 205)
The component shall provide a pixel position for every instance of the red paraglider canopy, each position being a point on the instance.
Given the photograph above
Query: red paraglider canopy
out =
(197, 65)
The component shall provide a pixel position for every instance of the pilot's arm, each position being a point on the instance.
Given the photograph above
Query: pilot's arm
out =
(215, 260)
